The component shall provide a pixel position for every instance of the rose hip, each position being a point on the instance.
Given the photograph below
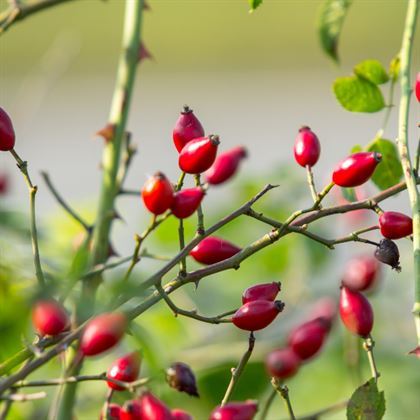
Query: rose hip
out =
(114, 412)
(388, 253)
(307, 147)
(235, 411)
(417, 87)
(213, 249)
(187, 128)
(282, 363)
(186, 202)
(124, 369)
(361, 273)
(49, 317)
(131, 410)
(7, 133)
(263, 291)
(152, 408)
(178, 414)
(395, 225)
(157, 194)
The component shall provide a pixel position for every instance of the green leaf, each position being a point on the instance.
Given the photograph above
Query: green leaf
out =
(389, 172)
(366, 403)
(372, 70)
(394, 68)
(349, 194)
(356, 149)
(358, 95)
(330, 23)
(253, 4)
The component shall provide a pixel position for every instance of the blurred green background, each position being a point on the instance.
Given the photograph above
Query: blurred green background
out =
(254, 79)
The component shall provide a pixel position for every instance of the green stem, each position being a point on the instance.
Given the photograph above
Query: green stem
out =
(267, 405)
(405, 69)
(200, 215)
(311, 183)
(283, 391)
(183, 262)
(368, 345)
(23, 166)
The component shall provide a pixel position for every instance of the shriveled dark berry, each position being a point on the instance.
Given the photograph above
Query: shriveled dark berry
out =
(387, 252)
(180, 376)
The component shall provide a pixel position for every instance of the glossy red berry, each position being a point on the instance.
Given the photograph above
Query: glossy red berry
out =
(213, 249)
(387, 252)
(152, 408)
(124, 369)
(356, 169)
(198, 155)
(417, 87)
(178, 414)
(226, 165)
(7, 133)
(186, 202)
(102, 333)
(157, 194)
(131, 410)
(307, 339)
(263, 291)
(4, 184)
(187, 128)
(181, 377)
(282, 363)
(361, 273)
(307, 147)
(356, 312)
(257, 314)
(395, 225)
(114, 412)
(235, 411)
(49, 317)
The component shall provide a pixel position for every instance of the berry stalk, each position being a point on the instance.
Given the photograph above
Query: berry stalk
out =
(283, 391)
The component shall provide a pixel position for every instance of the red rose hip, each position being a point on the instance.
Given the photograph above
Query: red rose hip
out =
(102, 333)
(131, 410)
(395, 225)
(417, 87)
(361, 273)
(257, 314)
(263, 291)
(157, 194)
(199, 154)
(114, 412)
(282, 363)
(356, 312)
(356, 169)
(124, 369)
(225, 166)
(178, 414)
(152, 408)
(7, 133)
(307, 147)
(213, 249)
(49, 317)
(307, 339)
(187, 128)
(186, 202)
(235, 411)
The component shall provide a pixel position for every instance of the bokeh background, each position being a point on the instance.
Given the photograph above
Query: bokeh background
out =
(254, 79)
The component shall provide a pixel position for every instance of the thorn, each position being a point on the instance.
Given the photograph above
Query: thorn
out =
(144, 53)
(107, 132)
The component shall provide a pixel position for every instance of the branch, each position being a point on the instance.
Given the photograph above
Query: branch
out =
(23, 397)
(327, 410)
(283, 391)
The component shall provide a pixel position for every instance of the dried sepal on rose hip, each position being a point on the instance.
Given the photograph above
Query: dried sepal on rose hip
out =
(307, 147)
(235, 411)
(263, 291)
(157, 194)
(181, 377)
(49, 317)
(187, 128)
(282, 363)
(7, 133)
(213, 249)
(186, 202)
(225, 166)
(356, 312)
(356, 169)
(257, 314)
(361, 273)
(395, 225)
(124, 369)
(102, 333)
(199, 154)
(387, 252)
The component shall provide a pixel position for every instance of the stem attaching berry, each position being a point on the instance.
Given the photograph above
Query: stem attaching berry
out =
(361, 273)
(49, 317)
(102, 332)
(187, 128)
(213, 249)
(198, 155)
(395, 225)
(257, 314)
(157, 194)
(7, 133)
(387, 252)
(282, 363)
(356, 169)
(225, 166)
(356, 312)
(178, 414)
(186, 202)
(124, 369)
(180, 377)
(235, 411)
(307, 147)
(263, 291)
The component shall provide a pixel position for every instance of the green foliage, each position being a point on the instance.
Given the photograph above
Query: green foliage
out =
(330, 23)
(349, 194)
(366, 403)
(389, 171)
(372, 70)
(357, 94)
(253, 4)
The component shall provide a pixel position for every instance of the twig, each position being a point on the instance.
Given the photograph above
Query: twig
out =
(23, 166)
(237, 372)
(23, 397)
(368, 345)
(200, 215)
(183, 262)
(283, 391)
(63, 204)
(310, 179)
(180, 182)
(267, 405)
(327, 410)
(105, 414)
